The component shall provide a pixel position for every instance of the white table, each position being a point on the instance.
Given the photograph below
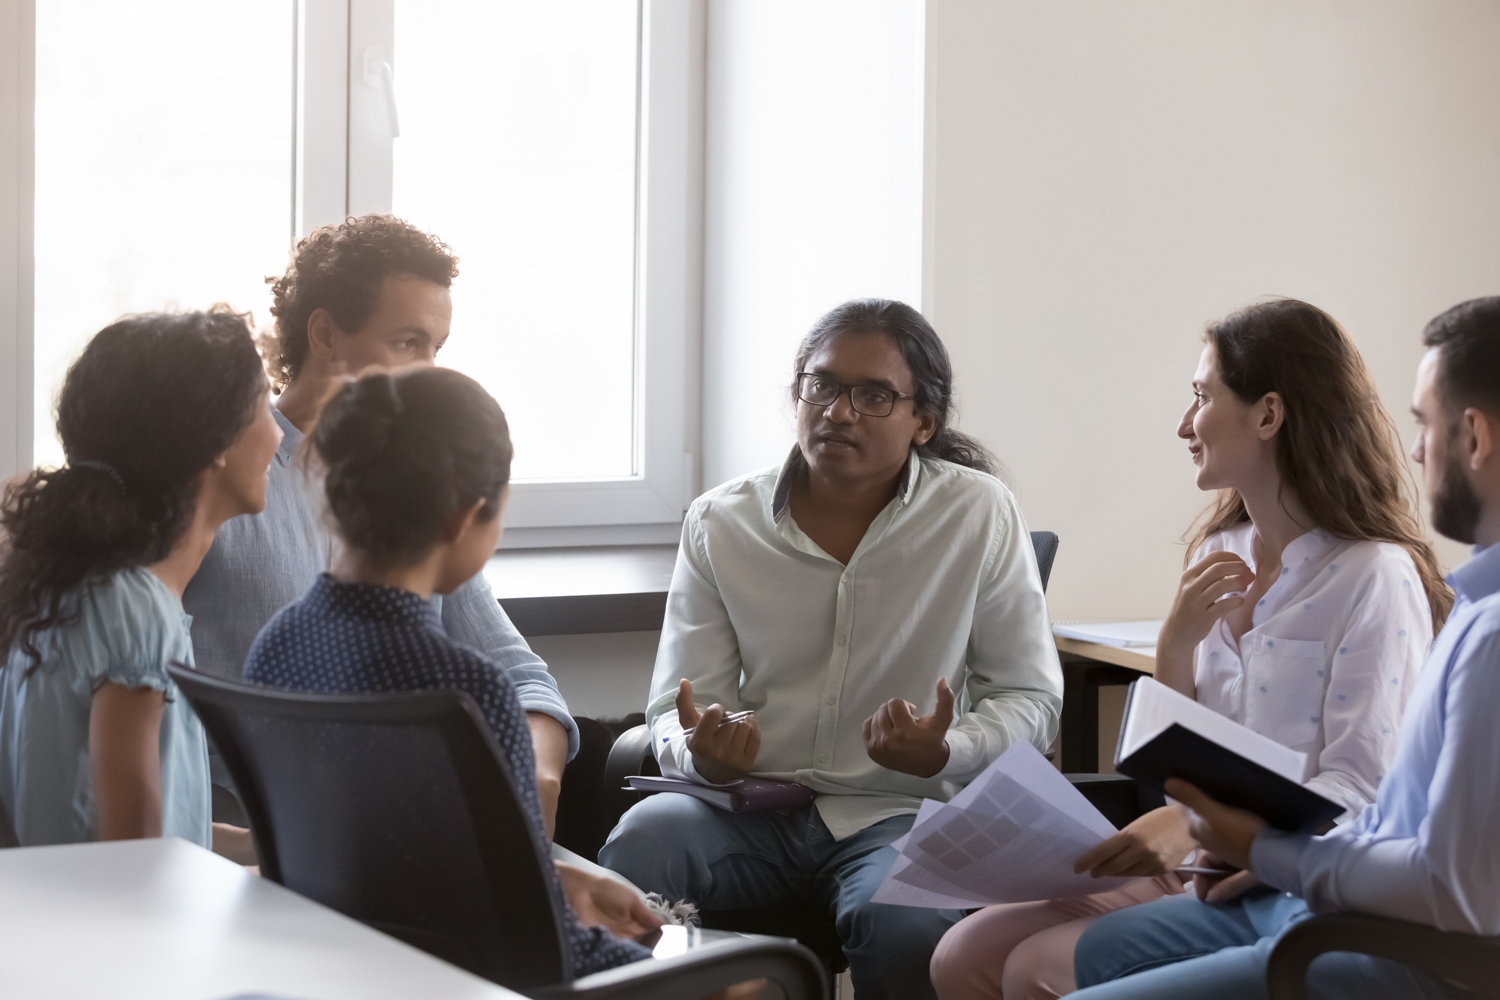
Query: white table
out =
(163, 920)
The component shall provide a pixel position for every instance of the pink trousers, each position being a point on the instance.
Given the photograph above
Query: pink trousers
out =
(1024, 951)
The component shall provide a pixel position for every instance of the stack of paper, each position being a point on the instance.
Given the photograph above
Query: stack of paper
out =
(1011, 836)
(1125, 635)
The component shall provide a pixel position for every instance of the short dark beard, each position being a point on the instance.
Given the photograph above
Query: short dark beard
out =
(1455, 505)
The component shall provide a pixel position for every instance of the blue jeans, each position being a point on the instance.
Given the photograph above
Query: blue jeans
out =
(1178, 948)
(684, 849)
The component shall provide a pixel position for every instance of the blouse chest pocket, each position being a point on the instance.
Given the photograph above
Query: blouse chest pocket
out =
(1284, 684)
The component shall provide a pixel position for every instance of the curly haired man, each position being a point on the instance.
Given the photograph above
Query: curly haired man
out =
(369, 291)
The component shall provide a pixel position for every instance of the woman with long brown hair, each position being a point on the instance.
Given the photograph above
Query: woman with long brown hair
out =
(1308, 604)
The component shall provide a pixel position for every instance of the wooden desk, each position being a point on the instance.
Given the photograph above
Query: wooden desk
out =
(1088, 666)
(163, 919)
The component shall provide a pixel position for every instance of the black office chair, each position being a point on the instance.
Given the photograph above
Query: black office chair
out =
(399, 811)
(1470, 962)
(1044, 544)
(582, 823)
(813, 927)
(8, 836)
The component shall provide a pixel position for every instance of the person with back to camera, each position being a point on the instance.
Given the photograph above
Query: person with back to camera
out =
(879, 568)
(1425, 851)
(1309, 602)
(370, 291)
(166, 423)
(416, 467)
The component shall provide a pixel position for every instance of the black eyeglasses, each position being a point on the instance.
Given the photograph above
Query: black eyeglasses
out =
(871, 400)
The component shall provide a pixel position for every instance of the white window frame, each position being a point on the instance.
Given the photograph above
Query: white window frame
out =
(646, 507)
(344, 167)
(17, 191)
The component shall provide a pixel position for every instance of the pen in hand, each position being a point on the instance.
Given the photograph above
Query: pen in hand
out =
(732, 717)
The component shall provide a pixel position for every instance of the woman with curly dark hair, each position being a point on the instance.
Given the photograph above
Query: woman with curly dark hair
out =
(167, 428)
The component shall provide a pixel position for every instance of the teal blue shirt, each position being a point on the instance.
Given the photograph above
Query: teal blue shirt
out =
(129, 628)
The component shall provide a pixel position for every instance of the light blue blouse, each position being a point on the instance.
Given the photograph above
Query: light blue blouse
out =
(129, 628)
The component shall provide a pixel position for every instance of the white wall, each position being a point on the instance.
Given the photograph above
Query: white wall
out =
(1102, 178)
(602, 675)
(812, 196)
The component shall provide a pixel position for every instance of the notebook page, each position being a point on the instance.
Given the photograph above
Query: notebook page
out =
(1154, 707)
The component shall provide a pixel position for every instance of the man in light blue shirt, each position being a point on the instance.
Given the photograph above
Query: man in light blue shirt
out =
(1427, 850)
(369, 291)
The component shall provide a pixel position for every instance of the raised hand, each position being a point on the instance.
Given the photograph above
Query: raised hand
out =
(1200, 602)
(896, 738)
(722, 751)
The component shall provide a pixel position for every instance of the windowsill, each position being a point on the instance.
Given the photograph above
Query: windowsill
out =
(570, 591)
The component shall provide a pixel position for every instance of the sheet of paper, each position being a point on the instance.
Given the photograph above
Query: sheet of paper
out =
(902, 894)
(1125, 635)
(1154, 707)
(1011, 836)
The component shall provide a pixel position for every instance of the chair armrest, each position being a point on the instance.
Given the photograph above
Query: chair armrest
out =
(703, 970)
(1466, 959)
(631, 754)
(1119, 797)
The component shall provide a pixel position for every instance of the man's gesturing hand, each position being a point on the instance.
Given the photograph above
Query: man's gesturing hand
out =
(895, 738)
(722, 752)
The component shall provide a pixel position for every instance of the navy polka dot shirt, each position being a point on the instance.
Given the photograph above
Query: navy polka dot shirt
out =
(349, 638)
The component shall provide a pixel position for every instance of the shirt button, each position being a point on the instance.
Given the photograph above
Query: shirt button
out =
(833, 699)
(843, 640)
(822, 758)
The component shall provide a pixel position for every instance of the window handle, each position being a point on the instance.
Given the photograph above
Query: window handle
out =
(378, 73)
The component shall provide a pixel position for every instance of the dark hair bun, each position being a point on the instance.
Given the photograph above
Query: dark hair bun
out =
(402, 453)
(359, 428)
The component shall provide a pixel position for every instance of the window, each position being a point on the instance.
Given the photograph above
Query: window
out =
(182, 147)
(518, 147)
(163, 168)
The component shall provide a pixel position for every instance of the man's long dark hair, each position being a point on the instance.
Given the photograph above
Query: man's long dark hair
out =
(931, 371)
(146, 408)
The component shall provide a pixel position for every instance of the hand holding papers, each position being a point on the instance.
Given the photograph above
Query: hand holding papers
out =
(1011, 836)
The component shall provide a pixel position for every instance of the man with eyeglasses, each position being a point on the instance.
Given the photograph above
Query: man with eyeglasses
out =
(839, 606)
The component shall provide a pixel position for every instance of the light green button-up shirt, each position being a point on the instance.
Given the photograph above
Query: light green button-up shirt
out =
(944, 584)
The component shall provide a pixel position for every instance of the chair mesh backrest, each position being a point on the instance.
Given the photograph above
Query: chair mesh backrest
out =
(1045, 544)
(398, 811)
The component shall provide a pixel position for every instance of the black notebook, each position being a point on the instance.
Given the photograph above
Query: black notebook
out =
(1168, 735)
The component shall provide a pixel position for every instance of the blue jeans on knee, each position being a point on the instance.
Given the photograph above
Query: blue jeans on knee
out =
(685, 849)
(1178, 948)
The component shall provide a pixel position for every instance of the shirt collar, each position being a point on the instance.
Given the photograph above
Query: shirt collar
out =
(372, 602)
(1480, 576)
(1306, 546)
(781, 496)
(291, 437)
